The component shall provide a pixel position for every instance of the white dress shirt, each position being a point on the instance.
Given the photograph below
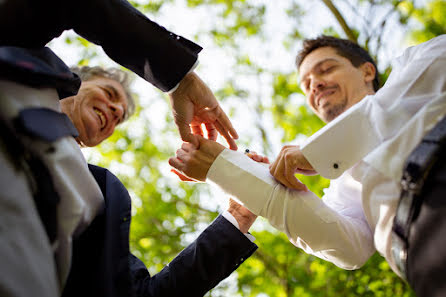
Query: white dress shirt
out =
(364, 149)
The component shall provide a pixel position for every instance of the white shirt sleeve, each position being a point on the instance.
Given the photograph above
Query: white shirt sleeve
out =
(343, 237)
(350, 137)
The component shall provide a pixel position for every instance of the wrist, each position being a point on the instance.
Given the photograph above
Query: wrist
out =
(244, 220)
(184, 84)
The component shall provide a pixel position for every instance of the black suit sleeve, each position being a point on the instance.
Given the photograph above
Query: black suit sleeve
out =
(126, 35)
(213, 256)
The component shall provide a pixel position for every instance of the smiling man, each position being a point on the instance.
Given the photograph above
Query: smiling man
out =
(101, 253)
(335, 75)
(364, 149)
(104, 101)
(35, 134)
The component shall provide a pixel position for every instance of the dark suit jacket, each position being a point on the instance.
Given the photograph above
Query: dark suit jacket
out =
(125, 34)
(104, 266)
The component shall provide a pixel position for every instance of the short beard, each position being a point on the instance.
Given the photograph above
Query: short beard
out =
(334, 111)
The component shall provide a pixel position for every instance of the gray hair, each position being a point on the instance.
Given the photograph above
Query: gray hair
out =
(87, 73)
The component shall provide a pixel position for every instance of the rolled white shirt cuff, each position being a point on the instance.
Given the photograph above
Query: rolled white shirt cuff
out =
(227, 215)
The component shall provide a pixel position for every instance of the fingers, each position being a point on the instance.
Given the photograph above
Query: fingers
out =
(225, 134)
(188, 147)
(285, 175)
(255, 157)
(212, 132)
(306, 172)
(186, 135)
(226, 123)
(258, 158)
(182, 177)
(291, 179)
(176, 163)
(196, 129)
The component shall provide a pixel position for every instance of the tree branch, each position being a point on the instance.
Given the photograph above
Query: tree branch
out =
(340, 20)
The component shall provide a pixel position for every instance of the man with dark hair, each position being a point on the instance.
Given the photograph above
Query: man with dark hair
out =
(364, 147)
(344, 47)
(356, 59)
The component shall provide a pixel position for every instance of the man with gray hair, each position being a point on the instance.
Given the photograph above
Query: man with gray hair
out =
(104, 101)
(49, 193)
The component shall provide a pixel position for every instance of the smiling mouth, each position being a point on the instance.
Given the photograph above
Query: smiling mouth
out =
(102, 117)
(323, 96)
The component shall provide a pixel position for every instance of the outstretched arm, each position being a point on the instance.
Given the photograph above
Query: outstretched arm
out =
(161, 57)
(329, 232)
(213, 256)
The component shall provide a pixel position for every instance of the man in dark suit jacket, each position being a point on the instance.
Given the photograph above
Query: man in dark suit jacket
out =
(163, 58)
(127, 36)
(102, 263)
(104, 266)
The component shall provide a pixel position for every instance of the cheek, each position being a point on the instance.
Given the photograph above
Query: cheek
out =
(311, 103)
(103, 135)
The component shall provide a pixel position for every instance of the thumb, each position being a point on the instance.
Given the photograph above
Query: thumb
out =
(201, 141)
(187, 136)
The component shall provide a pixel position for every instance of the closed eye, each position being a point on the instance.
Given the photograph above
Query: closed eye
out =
(108, 93)
(328, 69)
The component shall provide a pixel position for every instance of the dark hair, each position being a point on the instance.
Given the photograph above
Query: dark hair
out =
(86, 73)
(345, 48)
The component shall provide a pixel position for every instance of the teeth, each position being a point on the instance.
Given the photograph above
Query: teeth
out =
(101, 117)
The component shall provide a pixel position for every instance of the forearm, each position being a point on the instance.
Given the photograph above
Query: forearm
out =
(134, 41)
(213, 256)
(302, 216)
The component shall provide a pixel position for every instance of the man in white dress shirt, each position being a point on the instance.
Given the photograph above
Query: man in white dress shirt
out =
(363, 148)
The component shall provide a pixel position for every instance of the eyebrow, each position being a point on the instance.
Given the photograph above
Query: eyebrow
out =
(318, 64)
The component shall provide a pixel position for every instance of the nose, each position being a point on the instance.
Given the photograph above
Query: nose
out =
(316, 84)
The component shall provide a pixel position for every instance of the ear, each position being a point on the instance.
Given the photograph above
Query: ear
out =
(369, 71)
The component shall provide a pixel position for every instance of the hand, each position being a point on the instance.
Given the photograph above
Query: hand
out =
(244, 217)
(193, 104)
(258, 158)
(192, 163)
(291, 161)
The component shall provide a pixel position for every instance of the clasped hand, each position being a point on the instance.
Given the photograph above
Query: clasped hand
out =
(195, 161)
(290, 161)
